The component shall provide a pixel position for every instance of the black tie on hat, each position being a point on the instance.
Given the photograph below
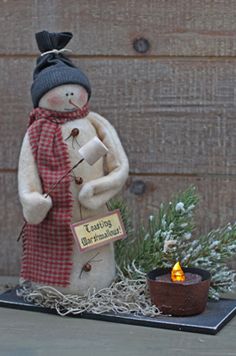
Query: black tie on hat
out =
(47, 41)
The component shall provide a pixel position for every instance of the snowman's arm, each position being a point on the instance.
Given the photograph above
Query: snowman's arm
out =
(35, 205)
(98, 191)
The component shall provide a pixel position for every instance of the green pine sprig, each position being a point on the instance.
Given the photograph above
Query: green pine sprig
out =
(167, 238)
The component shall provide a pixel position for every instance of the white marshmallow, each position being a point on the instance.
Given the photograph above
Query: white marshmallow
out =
(93, 150)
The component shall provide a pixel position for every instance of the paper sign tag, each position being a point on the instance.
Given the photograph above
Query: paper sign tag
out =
(98, 231)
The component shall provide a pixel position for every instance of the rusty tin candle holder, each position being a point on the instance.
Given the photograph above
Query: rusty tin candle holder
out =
(178, 298)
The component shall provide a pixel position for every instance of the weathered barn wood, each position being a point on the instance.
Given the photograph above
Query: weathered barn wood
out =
(172, 99)
(173, 116)
(105, 27)
(11, 221)
(216, 206)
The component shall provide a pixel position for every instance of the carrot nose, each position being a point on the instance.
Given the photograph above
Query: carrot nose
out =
(71, 102)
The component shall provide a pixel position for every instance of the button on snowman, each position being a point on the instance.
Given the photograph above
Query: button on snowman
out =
(59, 128)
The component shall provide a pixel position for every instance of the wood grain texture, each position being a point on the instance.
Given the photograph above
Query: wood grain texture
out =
(217, 198)
(105, 27)
(172, 116)
(49, 335)
(217, 207)
(11, 221)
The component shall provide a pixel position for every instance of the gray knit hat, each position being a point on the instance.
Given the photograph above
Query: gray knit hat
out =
(54, 68)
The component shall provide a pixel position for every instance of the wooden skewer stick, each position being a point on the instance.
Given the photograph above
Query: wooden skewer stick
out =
(47, 194)
(62, 177)
(91, 152)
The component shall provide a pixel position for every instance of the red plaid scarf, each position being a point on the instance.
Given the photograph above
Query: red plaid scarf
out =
(47, 247)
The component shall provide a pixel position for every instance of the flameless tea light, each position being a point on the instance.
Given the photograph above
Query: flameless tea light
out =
(179, 291)
(177, 275)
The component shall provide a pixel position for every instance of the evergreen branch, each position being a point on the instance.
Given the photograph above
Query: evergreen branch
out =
(167, 238)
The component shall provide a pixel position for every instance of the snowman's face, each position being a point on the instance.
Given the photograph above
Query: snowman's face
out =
(66, 97)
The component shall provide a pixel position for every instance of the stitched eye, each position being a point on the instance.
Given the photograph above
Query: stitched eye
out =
(71, 93)
(67, 94)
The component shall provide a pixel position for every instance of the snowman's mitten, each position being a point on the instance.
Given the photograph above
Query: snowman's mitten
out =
(35, 207)
(99, 191)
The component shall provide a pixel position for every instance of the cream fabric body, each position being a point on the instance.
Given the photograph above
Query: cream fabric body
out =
(100, 183)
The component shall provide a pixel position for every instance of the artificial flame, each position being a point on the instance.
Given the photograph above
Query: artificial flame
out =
(177, 274)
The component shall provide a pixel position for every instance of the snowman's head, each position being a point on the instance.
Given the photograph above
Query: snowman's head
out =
(67, 97)
(56, 79)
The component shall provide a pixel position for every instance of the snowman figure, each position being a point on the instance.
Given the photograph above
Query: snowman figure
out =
(60, 124)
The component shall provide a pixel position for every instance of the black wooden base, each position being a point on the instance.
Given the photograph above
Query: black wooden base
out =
(216, 315)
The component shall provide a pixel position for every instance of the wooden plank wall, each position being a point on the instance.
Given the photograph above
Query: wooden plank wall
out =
(162, 71)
